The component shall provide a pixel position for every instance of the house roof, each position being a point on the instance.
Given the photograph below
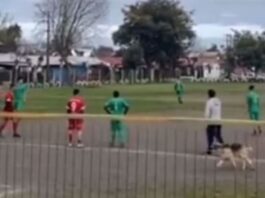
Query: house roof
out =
(9, 58)
(112, 61)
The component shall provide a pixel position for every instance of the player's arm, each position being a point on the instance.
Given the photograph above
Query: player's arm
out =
(107, 107)
(249, 100)
(176, 88)
(83, 107)
(207, 111)
(126, 107)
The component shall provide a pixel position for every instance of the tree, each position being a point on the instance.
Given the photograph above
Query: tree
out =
(246, 50)
(10, 34)
(162, 28)
(68, 21)
(213, 48)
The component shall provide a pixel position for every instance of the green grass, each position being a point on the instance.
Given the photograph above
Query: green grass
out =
(158, 99)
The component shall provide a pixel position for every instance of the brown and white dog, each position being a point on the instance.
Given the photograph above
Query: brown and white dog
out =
(234, 152)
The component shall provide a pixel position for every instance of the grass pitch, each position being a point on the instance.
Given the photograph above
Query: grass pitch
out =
(155, 99)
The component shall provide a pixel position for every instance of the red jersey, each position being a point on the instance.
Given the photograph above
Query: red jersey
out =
(9, 100)
(76, 105)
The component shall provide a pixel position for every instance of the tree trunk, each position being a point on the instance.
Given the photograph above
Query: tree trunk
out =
(152, 75)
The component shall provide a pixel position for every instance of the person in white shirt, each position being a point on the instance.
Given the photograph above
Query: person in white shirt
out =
(213, 111)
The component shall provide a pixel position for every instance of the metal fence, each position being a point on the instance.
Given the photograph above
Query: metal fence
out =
(162, 159)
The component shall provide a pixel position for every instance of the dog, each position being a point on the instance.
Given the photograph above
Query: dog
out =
(233, 152)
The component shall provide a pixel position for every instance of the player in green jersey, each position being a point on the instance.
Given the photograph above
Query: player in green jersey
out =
(119, 107)
(254, 108)
(20, 95)
(179, 89)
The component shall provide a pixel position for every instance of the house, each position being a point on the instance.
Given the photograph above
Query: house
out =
(34, 68)
(206, 65)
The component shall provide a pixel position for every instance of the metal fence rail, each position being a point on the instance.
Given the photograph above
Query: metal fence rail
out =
(162, 160)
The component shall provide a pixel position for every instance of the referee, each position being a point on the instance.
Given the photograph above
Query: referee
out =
(213, 111)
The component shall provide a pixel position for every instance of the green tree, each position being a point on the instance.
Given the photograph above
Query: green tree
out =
(162, 28)
(10, 34)
(247, 50)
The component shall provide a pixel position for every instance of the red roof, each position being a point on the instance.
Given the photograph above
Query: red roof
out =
(112, 61)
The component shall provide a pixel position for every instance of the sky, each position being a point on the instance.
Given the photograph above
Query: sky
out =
(213, 18)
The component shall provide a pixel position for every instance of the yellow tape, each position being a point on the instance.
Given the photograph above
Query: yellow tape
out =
(129, 118)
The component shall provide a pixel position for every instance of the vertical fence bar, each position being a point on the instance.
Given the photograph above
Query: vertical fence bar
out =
(257, 167)
(205, 167)
(175, 172)
(14, 164)
(72, 166)
(245, 173)
(23, 163)
(156, 161)
(6, 169)
(214, 175)
(235, 169)
(165, 162)
(118, 172)
(39, 159)
(127, 174)
(65, 172)
(185, 164)
(109, 169)
(146, 162)
(137, 161)
(100, 162)
(32, 136)
(195, 142)
(91, 162)
(82, 165)
(48, 160)
(57, 132)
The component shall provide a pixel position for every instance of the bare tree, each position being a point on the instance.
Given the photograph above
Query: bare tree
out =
(67, 21)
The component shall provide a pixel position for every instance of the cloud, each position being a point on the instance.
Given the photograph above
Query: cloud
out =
(219, 30)
(228, 15)
(102, 33)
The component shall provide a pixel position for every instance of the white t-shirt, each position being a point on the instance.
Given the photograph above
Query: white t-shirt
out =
(213, 109)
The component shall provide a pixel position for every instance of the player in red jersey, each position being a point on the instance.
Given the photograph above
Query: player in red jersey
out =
(9, 108)
(76, 105)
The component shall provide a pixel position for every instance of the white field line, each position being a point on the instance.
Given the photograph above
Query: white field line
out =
(187, 156)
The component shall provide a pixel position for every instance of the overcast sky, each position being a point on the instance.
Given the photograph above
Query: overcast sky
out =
(213, 18)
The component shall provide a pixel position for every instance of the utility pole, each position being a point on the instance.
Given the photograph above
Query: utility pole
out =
(46, 76)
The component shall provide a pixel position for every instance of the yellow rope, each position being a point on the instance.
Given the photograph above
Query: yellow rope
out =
(129, 118)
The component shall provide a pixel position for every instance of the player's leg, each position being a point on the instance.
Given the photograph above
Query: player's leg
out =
(113, 127)
(252, 117)
(3, 126)
(79, 132)
(180, 100)
(219, 136)
(257, 118)
(121, 134)
(210, 138)
(70, 131)
(15, 123)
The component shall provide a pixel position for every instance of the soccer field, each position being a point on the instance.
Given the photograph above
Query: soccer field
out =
(162, 159)
(154, 99)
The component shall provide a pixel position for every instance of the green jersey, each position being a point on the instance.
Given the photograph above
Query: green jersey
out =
(20, 96)
(179, 88)
(117, 106)
(253, 102)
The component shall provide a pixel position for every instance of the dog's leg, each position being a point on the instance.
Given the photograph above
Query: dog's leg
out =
(244, 164)
(249, 161)
(220, 163)
(233, 161)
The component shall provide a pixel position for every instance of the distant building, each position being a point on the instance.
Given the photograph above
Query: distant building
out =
(203, 65)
